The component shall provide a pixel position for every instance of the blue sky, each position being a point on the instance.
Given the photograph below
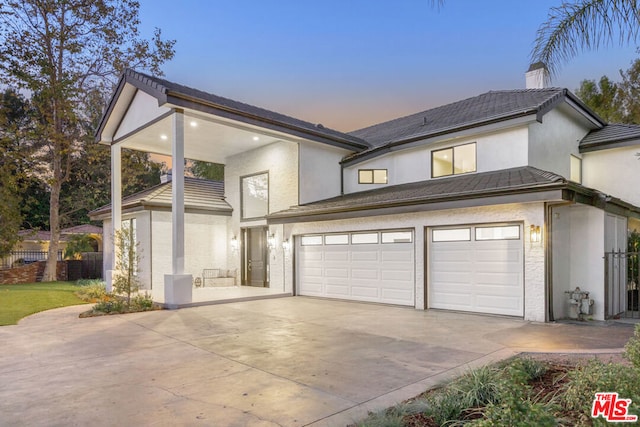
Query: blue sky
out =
(351, 63)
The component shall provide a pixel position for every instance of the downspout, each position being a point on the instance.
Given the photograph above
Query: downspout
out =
(341, 179)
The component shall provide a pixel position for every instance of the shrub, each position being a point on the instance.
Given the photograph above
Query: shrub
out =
(516, 412)
(141, 303)
(91, 290)
(526, 369)
(445, 407)
(596, 376)
(107, 306)
(632, 348)
(479, 387)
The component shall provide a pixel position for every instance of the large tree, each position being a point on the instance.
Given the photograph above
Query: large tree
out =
(616, 102)
(575, 27)
(14, 127)
(61, 52)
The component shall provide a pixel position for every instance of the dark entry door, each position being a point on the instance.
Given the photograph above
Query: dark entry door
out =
(255, 257)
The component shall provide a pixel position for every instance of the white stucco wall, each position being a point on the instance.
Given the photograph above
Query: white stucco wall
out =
(552, 142)
(613, 171)
(320, 172)
(280, 159)
(528, 213)
(206, 243)
(578, 248)
(494, 151)
(143, 109)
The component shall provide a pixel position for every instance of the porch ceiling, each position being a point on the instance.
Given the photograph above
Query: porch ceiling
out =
(205, 138)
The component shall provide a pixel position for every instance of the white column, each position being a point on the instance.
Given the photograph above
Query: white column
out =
(177, 196)
(116, 208)
(178, 285)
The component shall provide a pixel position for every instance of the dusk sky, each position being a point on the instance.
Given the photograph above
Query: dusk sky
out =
(351, 63)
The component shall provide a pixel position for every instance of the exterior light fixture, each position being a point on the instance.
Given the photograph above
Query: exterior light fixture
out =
(163, 137)
(535, 233)
(234, 243)
(286, 245)
(256, 138)
(271, 241)
(193, 124)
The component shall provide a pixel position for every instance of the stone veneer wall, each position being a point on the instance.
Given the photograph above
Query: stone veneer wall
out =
(30, 273)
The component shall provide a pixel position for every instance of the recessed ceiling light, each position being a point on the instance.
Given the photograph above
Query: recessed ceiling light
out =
(193, 124)
(163, 137)
(255, 138)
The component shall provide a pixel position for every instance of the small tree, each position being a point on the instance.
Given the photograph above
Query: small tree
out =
(125, 280)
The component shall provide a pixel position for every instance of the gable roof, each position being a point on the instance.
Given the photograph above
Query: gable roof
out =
(487, 108)
(611, 136)
(176, 94)
(413, 197)
(199, 195)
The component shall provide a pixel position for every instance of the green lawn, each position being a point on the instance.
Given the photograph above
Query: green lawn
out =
(18, 301)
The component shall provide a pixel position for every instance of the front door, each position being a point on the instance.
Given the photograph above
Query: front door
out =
(254, 266)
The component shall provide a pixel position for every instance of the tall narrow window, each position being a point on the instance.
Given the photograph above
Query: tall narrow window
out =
(255, 196)
(576, 169)
(453, 161)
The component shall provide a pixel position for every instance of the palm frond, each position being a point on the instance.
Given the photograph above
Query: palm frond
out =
(573, 28)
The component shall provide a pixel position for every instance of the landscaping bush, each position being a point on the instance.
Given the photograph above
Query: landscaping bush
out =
(91, 290)
(142, 303)
(108, 306)
(632, 348)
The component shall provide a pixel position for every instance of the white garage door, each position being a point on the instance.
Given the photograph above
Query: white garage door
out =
(373, 266)
(477, 268)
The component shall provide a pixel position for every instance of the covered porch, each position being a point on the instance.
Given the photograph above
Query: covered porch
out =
(259, 149)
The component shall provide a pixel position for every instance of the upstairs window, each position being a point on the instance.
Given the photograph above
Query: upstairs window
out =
(576, 169)
(453, 161)
(255, 196)
(372, 176)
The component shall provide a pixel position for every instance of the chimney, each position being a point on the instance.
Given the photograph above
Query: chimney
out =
(537, 76)
(165, 177)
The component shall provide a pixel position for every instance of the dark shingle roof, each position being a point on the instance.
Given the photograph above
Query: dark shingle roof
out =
(199, 194)
(163, 86)
(608, 135)
(488, 106)
(521, 179)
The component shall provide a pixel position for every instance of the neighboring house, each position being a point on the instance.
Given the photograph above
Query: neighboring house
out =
(148, 214)
(38, 240)
(34, 244)
(495, 204)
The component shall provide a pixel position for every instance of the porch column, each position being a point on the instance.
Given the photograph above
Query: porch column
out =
(178, 285)
(116, 209)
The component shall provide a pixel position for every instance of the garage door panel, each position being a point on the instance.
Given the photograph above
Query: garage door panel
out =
(400, 296)
(336, 273)
(397, 275)
(337, 290)
(485, 276)
(337, 256)
(365, 291)
(357, 273)
(397, 256)
(364, 255)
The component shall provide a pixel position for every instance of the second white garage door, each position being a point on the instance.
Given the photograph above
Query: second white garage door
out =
(373, 266)
(477, 268)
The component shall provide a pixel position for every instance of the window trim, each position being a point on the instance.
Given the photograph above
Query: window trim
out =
(373, 176)
(579, 159)
(242, 178)
(377, 233)
(453, 159)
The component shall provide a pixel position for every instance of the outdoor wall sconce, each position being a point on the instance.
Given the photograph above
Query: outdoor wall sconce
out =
(286, 245)
(234, 243)
(271, 241)
(534, 233)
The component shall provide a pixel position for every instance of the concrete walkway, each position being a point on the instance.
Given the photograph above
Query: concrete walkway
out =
(280, 362)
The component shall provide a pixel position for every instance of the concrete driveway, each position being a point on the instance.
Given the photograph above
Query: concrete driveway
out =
(288, 361)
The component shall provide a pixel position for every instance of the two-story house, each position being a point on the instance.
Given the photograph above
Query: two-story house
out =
(495, 204)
